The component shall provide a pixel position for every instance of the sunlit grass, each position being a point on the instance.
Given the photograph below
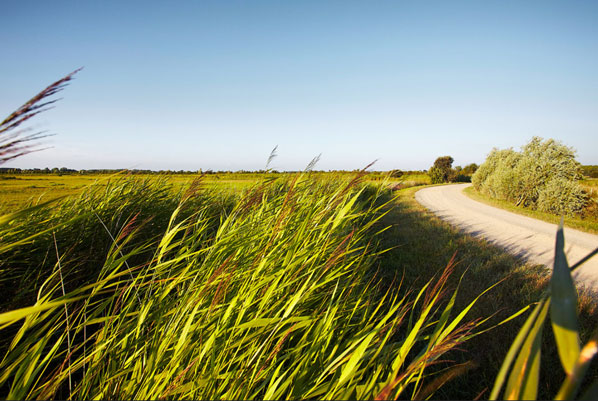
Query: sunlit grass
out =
(20, 190)
(129, 292)
(421, 242)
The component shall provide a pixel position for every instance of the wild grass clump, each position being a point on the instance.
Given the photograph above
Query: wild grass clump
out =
(519, 375)
(275, 297)
(421, 242)
(83, 228)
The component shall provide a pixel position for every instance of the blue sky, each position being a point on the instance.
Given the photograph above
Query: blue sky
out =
(216, 85)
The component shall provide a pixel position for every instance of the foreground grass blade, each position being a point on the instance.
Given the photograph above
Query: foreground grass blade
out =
(514, 350)
(563, 306)
(525, 375)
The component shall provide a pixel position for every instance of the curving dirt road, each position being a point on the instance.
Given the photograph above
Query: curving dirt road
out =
(523, 236)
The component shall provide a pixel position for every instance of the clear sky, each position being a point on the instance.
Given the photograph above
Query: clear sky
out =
(216, 85)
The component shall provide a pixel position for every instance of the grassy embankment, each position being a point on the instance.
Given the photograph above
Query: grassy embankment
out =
(588, 221)
(134, 290)
(324, 274)
(422, 243)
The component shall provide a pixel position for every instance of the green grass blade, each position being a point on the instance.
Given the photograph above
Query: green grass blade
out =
(525, 375)
(514, 349)
(10, 317)
(563, 308)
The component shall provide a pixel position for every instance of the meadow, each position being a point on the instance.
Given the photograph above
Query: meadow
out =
(19, 190)
(23, 189)
(303, 285)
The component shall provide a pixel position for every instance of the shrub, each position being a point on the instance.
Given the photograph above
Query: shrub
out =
(462, 178)
(436, 175)
(561, 196)
(542, 176)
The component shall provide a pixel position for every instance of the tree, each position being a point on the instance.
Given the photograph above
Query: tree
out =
(590, 171)
(469, 169)
(442, 170)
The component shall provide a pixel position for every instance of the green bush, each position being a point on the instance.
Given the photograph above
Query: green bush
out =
(436, 175)
(442, 170)
(462, 178)
(543, 176)
(561, 196)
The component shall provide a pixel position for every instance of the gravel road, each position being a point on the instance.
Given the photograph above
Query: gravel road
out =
(523, 236)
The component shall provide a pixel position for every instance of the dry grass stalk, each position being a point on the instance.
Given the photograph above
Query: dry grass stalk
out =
(15, 143)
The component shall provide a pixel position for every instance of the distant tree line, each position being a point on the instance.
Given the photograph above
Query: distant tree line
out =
(590, 171)
(66, 171)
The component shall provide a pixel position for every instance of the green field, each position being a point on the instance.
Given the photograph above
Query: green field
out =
(19, 190)
(303, 285)
(23, 189)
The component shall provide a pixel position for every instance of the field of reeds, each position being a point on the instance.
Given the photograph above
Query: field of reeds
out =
(135, 290)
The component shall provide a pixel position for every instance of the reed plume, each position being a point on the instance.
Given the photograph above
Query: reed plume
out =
(16, 142)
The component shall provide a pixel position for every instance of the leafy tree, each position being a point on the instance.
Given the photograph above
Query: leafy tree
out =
(436, 175)
(469, 169)
(442, 170)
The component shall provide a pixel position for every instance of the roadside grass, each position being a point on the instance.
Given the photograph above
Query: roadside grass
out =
(590, 182)
(588, 223)
(423, 244)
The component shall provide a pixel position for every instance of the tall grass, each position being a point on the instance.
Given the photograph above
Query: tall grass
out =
(520, 372)
(270, 296)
